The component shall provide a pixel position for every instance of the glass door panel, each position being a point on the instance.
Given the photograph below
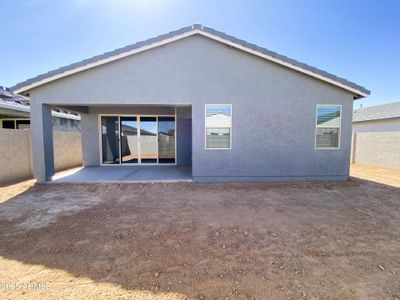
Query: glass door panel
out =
(110, 140)
(129, 140)
(148, 140)
(166, 140)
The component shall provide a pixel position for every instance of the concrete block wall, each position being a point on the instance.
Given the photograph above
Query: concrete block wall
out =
(67, 150)
(15, 158)
(16, 153)
(379, 149)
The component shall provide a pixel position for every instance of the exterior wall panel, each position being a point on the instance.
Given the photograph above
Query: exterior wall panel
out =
(383, 125)
(273, 120)
(378, 149)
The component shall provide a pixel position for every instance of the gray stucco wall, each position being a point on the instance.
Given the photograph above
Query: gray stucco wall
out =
(377, 125)
(273, 133)
(184, 136)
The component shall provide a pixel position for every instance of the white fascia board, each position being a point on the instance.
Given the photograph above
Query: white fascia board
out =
(103, 61)
(14, 107)
(181, 36)
(65, 116)
(281, 62)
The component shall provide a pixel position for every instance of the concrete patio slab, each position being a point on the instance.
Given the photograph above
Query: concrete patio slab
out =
(125, 174)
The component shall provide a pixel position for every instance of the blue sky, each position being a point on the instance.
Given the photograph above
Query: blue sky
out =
(357, 40)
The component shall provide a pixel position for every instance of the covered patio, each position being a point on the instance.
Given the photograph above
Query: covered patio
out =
(125, 174)
(120, 143)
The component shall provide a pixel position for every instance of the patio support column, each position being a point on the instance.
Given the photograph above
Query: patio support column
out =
(42, 141)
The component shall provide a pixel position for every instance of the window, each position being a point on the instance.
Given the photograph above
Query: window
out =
(23, 124)
(218, 125)
(15, 124)
(9, 124)
(328, 126)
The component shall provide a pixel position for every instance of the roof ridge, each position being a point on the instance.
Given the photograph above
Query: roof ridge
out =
(378, 105)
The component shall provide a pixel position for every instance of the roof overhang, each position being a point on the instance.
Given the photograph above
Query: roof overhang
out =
(19, 110)
(358, 91)
(377, 119)
(15, 107)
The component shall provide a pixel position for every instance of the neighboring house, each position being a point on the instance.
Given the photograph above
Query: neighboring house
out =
(230, 109)
(14, 114)
(385, 117)
(376, 136)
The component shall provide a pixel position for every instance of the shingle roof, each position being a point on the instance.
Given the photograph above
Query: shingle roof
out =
(378, 112)
(196, 29)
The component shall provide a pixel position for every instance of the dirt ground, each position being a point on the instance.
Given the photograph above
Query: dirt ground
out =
(197, 241)
(385, 176)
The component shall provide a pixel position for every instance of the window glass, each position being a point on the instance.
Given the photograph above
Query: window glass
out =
(23, 124)
(9, 124)
(218, 123)
(110, 140)
(129, 140)
(327, 137)
(328, 116)
(166, 140)
(328, 126)
(148, 140)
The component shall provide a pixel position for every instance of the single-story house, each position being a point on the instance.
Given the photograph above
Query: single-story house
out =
(15, 114)
(385, 117)
(231, 110)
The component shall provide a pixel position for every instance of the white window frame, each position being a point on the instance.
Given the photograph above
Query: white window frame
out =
(139, 163)
(15, 121)
(330, 126)
(205, 128)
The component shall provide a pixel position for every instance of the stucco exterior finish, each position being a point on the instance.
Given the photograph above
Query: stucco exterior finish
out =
(273, 109)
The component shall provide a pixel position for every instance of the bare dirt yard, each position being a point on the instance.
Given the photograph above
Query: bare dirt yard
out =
(197, 241)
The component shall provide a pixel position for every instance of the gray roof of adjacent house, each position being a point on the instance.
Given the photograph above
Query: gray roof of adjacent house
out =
(181, 33)
(378, 112)
(10, 101)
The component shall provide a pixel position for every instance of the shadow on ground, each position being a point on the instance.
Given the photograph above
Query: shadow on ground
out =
(241, 241)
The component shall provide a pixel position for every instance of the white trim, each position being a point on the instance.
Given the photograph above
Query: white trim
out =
(176, 137)
(158, 140)
(139, 163)
(281, 62)
(17, 107)
(15, 122)
(176, 38)
(20, 108)
(337, 126)
(104, 61)
(205, 128)
(65, 116)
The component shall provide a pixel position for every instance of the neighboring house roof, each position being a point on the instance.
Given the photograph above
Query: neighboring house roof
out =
(107, 57)
(219, 120)
(14, 102)
(378, 112)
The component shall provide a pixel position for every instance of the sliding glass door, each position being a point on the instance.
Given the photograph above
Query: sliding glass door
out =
(166, 140)
(148, 140)
(110, 140)
(138, 140)
(129, 140)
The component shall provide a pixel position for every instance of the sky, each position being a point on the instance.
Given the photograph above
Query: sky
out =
(357, 40)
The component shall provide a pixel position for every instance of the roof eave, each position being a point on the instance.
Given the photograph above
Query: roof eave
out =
(377, 119)
(183, 33)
